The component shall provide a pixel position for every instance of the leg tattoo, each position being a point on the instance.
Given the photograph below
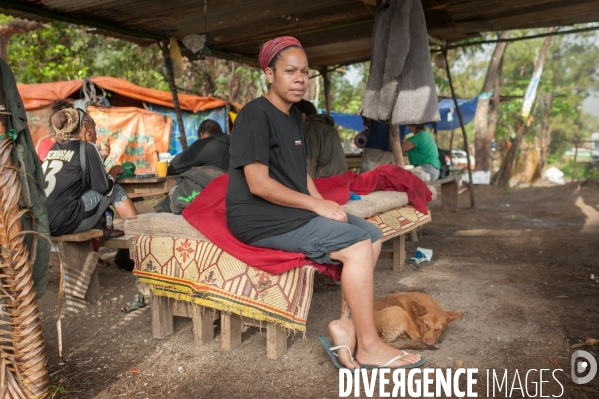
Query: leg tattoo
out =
(347, 312)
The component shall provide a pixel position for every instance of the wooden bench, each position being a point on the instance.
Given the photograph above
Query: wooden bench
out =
(82, 285)
(449, 192)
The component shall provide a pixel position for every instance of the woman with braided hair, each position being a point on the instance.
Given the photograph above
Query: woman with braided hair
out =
(77, 186)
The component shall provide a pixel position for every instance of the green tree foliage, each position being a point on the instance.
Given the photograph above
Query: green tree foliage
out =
(61, 51)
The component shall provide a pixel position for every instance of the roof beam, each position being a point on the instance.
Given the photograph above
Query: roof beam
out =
(64, 17)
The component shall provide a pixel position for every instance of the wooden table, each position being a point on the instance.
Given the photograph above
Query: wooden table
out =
(146, 187)
(354, 160)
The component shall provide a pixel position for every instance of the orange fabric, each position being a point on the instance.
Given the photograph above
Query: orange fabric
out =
(188, 102)
(38, 121)
(135, 135)
(36, 96)
(41, 95)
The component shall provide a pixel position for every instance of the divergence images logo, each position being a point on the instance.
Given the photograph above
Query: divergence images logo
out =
(589, 364)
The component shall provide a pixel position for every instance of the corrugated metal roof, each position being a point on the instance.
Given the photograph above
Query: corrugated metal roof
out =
(332, 31)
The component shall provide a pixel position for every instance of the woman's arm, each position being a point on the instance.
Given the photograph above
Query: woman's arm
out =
(312, 188)
(263, 186)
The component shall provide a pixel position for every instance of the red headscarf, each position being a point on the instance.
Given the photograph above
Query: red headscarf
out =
(271, 48)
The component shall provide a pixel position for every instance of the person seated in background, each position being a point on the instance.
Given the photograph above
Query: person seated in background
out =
(326, 157)
(422, 150)
(76, 183)
(378, 148)
(212, 149)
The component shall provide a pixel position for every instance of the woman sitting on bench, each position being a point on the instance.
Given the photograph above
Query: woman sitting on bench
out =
(77, 186)
(422, 150)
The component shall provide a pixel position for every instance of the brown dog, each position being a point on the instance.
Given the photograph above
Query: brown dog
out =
(424, 313)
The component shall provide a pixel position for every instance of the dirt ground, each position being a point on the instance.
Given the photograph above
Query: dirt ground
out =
(518, 266)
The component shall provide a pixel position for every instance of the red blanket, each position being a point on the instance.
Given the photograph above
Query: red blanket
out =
(207, 214)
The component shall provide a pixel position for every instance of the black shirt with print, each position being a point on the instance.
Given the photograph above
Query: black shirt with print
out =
(62, 174)
(264, 133)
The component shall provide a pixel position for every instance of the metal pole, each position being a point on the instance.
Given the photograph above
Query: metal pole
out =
(457, 107)
(170, 77)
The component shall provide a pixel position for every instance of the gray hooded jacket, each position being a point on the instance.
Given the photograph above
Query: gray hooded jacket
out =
(401, 88)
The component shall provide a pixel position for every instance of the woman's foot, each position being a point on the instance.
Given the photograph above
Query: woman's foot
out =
(344, 334)
(380, 353)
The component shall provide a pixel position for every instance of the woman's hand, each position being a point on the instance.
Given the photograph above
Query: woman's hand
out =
(105, 150)
(330, 210)
(116, 171)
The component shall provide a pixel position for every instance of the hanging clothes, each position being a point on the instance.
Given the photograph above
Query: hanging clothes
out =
(31, 177)
(401, 88)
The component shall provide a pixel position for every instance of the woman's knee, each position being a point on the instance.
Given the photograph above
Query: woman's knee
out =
(362, 250)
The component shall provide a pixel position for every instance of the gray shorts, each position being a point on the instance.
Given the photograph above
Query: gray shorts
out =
(96, 204)
(321, 236)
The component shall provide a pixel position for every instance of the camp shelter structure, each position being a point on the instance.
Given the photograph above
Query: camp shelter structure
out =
(139, 122)
(332, 31)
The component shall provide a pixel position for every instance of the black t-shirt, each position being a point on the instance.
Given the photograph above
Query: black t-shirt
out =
(264, 133)
(211, 151)
(62, 175)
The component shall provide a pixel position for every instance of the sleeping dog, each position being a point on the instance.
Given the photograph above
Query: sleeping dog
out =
(414, 315)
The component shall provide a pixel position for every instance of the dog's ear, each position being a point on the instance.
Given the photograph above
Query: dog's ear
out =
(451, 316)
(419, 310)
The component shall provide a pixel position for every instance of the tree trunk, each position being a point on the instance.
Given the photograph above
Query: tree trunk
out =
(483, 138)
(12, 28)
(545, 132)
(170, 77)
(505, 172)
(495, 101)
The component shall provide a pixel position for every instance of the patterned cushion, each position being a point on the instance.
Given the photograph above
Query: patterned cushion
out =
(199, 272)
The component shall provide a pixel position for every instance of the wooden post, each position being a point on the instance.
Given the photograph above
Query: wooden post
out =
(162, 316)
(74, 256)
(396, 145)
(170, 77)
(230, 330)
(276, 341)
(457, 107)
(203, 325)
(327, 89)
(399, 253)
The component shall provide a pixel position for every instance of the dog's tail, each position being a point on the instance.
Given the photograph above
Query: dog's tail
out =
(412, 344)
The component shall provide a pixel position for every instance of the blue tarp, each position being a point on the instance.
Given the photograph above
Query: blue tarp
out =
(348, 121)
(449, 117)
(191, 122)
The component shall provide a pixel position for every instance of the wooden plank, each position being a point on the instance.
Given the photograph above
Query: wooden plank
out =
(74, 256)
(78, 237)
(117, 242)
(449, 197)
(147, 195)
(413, 235)
(230, 327)
(399, 253)
(182, 308)
(203, 325)
(162, 316)
(276, 341)
(80, 288)
(72, 261)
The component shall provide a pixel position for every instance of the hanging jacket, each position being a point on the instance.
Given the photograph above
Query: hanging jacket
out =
(31, 177)
(401, 88)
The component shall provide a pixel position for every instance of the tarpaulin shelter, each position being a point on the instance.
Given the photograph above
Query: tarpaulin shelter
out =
(138, 123)
(449, 119)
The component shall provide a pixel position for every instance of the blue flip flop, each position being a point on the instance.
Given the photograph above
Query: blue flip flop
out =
(330, 351)
(335, 359)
